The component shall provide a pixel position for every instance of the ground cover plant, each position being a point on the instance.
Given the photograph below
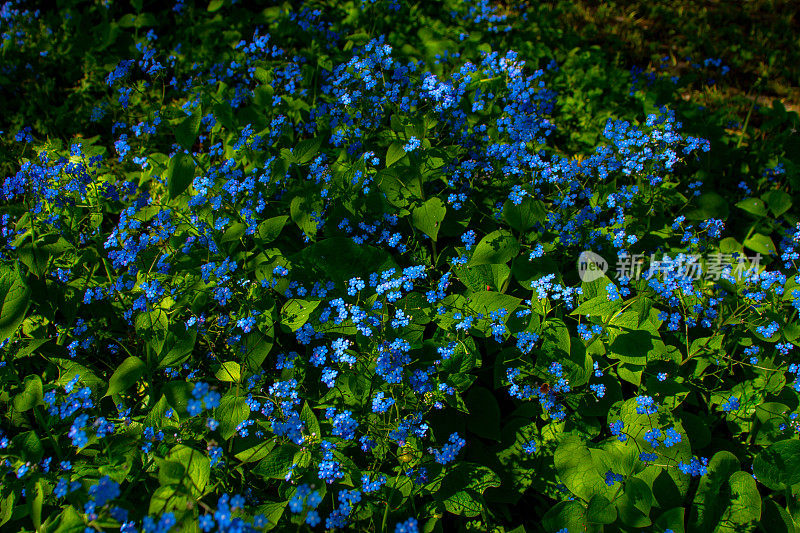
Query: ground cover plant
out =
(398, 267)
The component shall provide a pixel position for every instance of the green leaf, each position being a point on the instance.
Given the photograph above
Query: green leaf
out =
(215, 5)
(153, 326)
(269, 230)
(754, 206)
(600, 510)
(7, 507)
(196, 466)
(272, 512)
(15, 295)
(775, 519)
(310, 419)
(577, 470)
(778, 202)
(524, 216)
(397, 191)
(257, 452)
(229, 371)
(234, 232)
(301, 210)
(494, 249)
(487, 301)
(126, 375)
(34, 498)
(429, 216)
(462, 488)
(29, 446)
(671, 519)
(257, 347)
(635, 503)
(566, 514)
(394, 153)
(295, 312)
(186, 132)
(178, 394)
(69, 521)
(779, 465)
(277, 463)
(232, 411)
(306, 150)
(708, 504)
(224, 114)
(599, 306)
(178, 346)
(31, 394)
(744, 502)
(760, 243)
(179, 174)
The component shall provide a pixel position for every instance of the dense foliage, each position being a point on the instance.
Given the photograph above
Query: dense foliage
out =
(388, 266)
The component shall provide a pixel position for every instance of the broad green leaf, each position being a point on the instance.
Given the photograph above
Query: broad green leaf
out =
(215, 5)
(524, 216)
(229, 371)
(577, 470)
(671, 519)
(600, 510)
(760, 243)
(302, 210)
(744, 505)
(306, 150)
(428, 217)
(778, 202)
(34, 496)
(487, 301)
(708, 503)
(258, 346)
(269, 230)
(232, 411)
(599, 306)
(126, 375)
(295, 312)
(635, 503)
(779, 465)
(310, 419)
(15, 296)
(7, 506)
(567, 514)
(29, 446)
(153, 327)
(257, 452)
(754, 206)
(277, 463)
(178, 346)
(180, 174)
(186, 132)
(69, 521)
(462, 488)
(234, 232)
(196, 465)
(178, 394)
(272, 512)
(399, 192)
(31, 394)
(498, 247)
(775, 518)
(394, 153)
